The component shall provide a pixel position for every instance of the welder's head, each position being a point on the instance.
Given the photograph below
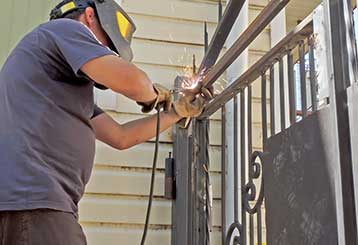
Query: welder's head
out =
(106, 19)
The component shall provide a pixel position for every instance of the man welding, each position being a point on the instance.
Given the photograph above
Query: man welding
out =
(49, 122)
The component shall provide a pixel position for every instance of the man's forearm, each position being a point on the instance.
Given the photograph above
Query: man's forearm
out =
(129, 134)
(144, 129)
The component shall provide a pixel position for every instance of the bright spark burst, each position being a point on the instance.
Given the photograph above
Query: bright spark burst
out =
(193, 80)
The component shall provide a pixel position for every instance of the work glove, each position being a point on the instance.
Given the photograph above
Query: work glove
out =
(164, 99)
(189, 106)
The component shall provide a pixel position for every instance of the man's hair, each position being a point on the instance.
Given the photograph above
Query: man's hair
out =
(74, 15)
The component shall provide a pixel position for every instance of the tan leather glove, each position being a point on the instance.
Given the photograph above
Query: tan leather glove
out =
(189, 106)
(164, 99)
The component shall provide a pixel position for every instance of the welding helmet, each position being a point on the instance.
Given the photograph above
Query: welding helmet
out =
(113, 19)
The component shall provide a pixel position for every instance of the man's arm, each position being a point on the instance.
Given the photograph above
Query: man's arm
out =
(132, 133)
(122, 77)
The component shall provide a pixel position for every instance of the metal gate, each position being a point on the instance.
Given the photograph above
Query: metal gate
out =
(300, 184)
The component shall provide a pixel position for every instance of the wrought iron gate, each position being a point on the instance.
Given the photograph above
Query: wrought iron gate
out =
(300, 184)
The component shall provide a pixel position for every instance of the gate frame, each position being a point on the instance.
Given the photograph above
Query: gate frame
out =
(342, 70)
(191, 209)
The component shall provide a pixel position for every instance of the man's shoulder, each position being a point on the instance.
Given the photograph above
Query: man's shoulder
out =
(62, 25)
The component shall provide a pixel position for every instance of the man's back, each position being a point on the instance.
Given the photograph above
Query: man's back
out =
(46, 141)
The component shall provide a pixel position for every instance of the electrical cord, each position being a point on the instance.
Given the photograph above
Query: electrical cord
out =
(145, 231)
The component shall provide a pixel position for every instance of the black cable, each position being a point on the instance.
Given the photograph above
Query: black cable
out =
(152, 179)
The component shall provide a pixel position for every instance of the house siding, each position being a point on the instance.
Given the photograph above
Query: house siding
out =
(168, 33)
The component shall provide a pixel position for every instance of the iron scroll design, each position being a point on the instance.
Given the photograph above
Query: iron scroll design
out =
(255, 172)
(237, 239)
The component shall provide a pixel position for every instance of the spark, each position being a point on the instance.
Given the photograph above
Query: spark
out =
(193, 80)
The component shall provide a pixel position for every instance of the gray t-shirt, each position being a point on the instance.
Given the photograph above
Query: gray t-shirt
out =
(46, 141)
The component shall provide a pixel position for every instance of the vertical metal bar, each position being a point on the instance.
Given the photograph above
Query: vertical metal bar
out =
(182, 206)
(264, 107)
(303, 79)
(202, 198)
(252, 230)
(218, 40)
(236, 161)
(282, 95)
(194, 64)
(272, 100)
(220, 10)
(206, 37)
(249, 152)
(249, 120)
(259, 227)
(291, 88)
(313, 79)
(264, 139)
(223, 174)
(243, 165)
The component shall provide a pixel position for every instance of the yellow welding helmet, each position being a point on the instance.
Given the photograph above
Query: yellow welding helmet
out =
(113, 19)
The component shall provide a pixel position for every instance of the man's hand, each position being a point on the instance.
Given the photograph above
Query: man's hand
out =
(164, 98)
(189, 106)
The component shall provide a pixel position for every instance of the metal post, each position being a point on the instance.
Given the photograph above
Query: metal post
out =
(282, 95)
(243, 165)
(291, 88)
(313, 79)
(303, 79)
(202, 199)
(343, 70)
(249, 153)
(236, 162)
(223, 174)
(272, 99)
(264, 107)
(182, 209)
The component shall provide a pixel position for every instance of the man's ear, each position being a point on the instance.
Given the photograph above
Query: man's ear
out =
(90, 16)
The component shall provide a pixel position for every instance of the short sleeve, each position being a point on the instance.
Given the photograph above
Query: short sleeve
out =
(75, 42)
(96, 111)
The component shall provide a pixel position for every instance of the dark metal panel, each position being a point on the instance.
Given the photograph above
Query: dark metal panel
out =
(291, 88)
(282, 95)
(303, 79)
(304, 29)
(299, 194)
(232, 11)
(249, 35)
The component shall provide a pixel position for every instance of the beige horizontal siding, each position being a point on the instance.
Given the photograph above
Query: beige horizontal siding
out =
(169, 33)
